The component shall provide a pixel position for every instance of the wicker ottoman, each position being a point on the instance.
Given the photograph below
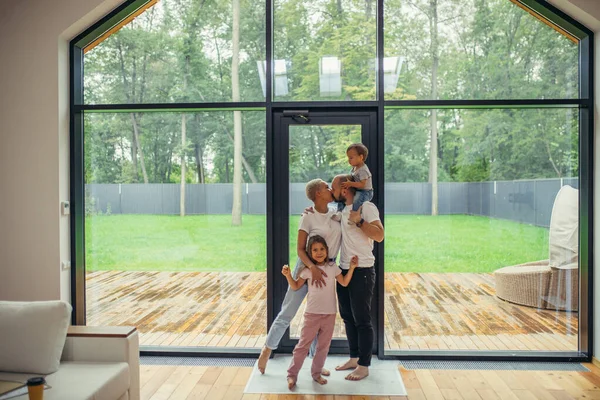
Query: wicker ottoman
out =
(525, 284)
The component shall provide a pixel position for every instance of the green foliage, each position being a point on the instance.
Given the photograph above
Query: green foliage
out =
(180, 51)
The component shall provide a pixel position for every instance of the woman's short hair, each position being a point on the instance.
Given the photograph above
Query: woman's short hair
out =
(312, 187)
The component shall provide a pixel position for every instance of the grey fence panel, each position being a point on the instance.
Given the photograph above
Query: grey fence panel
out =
(407, 198)
(139, 198)
(452, 198)
(219, 198)
(105, 197)
(545, 192)
(523, 201)
(487, 198)
(169, 199)
(571, 182)
(298, 199)
(474, 198)
(195, 199)
(502, 200)
(257, 198)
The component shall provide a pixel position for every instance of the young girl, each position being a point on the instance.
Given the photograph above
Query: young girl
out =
(321, 309)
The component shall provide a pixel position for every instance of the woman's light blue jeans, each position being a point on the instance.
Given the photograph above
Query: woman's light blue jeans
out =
(291, 303)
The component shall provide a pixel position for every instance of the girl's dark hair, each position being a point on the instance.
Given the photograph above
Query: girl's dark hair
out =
(313, 240)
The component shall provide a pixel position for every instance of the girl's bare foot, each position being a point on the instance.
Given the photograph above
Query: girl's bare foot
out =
(263, 359)
(350, 364)
(325, 372)
(359, 373)
(320, 380)
(291, 382)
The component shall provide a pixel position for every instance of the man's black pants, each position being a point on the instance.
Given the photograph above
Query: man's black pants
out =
(355, 309)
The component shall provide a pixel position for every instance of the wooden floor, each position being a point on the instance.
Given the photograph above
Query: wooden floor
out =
(227, 383)
(422, 311)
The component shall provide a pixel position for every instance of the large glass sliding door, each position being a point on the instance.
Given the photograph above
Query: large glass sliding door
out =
(310, 145)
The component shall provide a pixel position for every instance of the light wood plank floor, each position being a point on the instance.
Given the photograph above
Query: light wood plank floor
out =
(227, 383)
(422, 311)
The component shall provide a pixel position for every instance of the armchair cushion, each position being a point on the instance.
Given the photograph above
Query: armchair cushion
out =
(33, 335)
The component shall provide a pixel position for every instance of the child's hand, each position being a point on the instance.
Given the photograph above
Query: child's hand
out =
(346, 185)
(286, 270)
(354, 262)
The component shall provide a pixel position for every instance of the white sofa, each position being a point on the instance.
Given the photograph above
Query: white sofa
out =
(99, 363)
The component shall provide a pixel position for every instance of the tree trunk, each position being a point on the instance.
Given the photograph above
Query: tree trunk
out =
(433, 148)
(136, 136)
(246, 164)
(183, 142)
(369, 8)
(236, 212)
(182, 186)
(134, 161)
(227, 180)
(199, 164)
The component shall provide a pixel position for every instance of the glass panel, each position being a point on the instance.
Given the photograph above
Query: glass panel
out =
(180, 51)
(324, 50)
(316, 151)
(453, 50)
(506, 195)
(192, 280)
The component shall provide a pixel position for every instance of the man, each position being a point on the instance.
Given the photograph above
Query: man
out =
(311, 224)
(359, 230)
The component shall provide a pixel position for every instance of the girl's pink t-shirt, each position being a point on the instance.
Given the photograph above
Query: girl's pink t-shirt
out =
(322, 300)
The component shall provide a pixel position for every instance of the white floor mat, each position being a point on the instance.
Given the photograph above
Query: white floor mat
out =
(384, 379)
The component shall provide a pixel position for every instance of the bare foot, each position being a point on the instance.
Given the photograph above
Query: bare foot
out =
(320, 380)
(291, 382)
(359, 373)
(350, 364)
(263, 359)
(325, 372)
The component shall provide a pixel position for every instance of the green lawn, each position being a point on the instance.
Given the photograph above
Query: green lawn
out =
(414, 243)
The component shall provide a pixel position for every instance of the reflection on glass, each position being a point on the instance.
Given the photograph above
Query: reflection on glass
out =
(191, 280)
(473, 50)
(279, 77)
(391, 70)
(329, 47)
(496, 268)
(330, 78)
(316, 151)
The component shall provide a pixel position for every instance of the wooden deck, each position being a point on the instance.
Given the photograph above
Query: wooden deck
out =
(422, 311)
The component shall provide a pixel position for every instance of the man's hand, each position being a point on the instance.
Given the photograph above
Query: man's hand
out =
(317, 276)
(308, 210)
(347, 184)
(354, 216)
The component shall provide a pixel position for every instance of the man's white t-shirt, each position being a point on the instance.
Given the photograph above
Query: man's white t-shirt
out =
(354, 240)
(321, 224)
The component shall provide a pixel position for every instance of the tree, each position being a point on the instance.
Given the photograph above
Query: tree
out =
(236, 211)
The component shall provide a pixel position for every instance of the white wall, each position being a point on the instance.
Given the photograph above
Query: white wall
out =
(34, 145)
